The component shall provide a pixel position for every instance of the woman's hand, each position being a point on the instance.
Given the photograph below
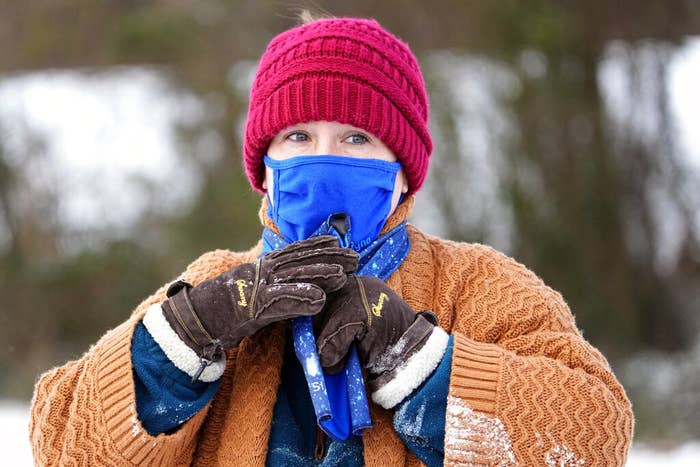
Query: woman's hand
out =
(387, 330)
(218, 313)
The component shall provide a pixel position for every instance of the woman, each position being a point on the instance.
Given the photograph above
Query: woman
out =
(204, 372)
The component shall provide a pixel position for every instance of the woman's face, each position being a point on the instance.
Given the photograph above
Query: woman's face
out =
(338, 139)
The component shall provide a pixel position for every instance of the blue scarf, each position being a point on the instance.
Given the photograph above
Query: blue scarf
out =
(338, 414)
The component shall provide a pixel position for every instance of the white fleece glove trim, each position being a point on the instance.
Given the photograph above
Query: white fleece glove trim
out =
(176, 350)
(416, 370)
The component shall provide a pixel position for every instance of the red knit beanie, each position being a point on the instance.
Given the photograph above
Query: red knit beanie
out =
(344, 70)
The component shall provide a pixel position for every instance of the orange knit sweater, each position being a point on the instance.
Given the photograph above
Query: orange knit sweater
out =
(525, 387)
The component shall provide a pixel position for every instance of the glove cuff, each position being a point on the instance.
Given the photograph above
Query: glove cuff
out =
(182, 318)
(385, 365)
(182, 355)
(407, 363)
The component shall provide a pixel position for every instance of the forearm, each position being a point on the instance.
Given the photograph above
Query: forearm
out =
(526, 409)
(166, 393)
(420, 419)
(526, 387)
(86, 410)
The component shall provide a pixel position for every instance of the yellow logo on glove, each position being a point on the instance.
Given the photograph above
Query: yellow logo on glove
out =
(241, 283)
(377, 309)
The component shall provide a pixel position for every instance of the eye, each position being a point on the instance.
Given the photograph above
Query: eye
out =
(298, 137)
(357, 138)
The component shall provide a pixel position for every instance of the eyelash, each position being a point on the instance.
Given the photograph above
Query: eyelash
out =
(365, 139)
(291, 136)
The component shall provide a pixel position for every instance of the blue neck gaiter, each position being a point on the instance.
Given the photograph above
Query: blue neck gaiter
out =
(308, 189)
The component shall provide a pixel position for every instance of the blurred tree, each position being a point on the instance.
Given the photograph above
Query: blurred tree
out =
(594, 175)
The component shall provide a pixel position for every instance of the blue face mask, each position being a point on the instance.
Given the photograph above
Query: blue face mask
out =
(308, 189)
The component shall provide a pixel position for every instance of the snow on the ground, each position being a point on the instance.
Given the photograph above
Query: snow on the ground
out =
(14, 426)
(687, 454)
(14, 433)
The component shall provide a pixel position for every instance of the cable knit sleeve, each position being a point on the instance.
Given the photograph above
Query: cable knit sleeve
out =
(525, 387)
(84, 412)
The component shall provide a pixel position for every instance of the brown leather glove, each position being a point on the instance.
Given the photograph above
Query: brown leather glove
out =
(218, 313)
(387, 330)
